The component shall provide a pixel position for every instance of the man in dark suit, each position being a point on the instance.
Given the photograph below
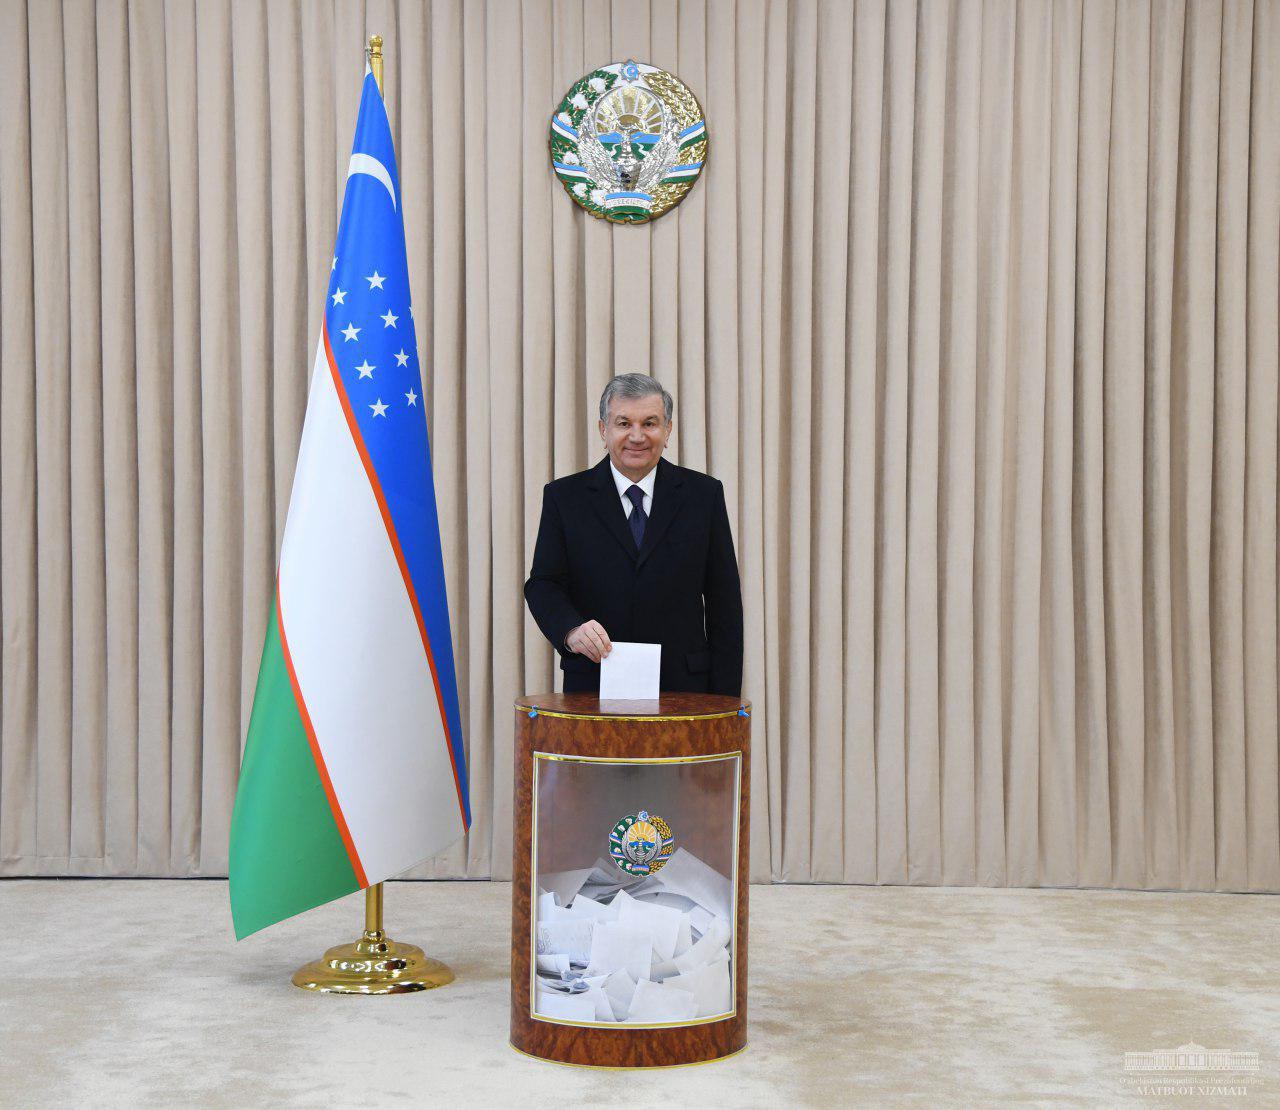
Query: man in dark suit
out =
(639, 550)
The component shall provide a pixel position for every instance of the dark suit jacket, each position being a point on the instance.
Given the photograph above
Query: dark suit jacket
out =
(679, 590)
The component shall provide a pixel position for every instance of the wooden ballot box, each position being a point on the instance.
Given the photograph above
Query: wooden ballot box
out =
(629, 892)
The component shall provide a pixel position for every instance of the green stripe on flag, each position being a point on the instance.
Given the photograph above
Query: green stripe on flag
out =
(286, 853)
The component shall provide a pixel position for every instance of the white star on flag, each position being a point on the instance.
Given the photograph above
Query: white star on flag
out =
(366, 371)
(340, 297)
(375, 280)
(411, 397)
(335, 263)
(379, 409)
(401, 358)
(350, 331)
(389, 319)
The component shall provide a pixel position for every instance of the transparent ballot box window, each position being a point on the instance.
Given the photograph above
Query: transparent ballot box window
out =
(634, 889)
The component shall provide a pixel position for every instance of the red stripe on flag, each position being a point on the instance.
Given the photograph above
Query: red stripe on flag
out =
(399, 553)
(316, 754)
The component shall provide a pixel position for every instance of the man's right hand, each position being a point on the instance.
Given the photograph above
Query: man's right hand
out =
(589, 639)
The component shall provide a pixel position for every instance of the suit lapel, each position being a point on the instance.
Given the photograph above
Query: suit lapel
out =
(608, 505)
(668, 497)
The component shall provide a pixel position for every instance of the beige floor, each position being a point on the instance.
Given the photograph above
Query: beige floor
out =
(127, 993)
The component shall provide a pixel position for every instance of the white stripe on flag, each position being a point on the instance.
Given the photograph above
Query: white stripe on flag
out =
(358, 654)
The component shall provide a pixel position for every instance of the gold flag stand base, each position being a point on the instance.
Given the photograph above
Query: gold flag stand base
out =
(373, 964)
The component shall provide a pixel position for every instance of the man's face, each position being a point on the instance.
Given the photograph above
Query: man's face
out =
(635, 434)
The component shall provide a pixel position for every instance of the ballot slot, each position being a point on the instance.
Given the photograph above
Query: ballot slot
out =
(634, 890)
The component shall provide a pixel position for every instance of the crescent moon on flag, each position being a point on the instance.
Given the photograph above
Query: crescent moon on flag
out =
(366, 163)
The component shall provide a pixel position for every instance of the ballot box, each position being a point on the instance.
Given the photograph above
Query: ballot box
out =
(629, 891)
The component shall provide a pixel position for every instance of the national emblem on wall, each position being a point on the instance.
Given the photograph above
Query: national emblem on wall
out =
(628, 141)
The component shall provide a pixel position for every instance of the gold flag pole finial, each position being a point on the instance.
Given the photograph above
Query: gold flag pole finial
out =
(375, 58)
(373, 964)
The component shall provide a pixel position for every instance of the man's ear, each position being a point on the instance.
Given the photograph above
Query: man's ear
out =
(600, 426)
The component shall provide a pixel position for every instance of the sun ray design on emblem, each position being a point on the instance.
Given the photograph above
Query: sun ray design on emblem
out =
(630, 108)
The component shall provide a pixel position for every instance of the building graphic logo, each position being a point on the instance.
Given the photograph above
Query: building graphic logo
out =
(1191, 1071)
(1190, 1057)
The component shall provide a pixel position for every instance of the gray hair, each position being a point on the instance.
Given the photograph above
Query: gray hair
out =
(631, 387)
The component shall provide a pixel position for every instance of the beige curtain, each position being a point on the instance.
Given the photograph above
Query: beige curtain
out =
(974, 311)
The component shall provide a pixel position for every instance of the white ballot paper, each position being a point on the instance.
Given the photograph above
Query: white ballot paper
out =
(660, 923)
(684, 938)
(707, 949)
(570, 938)
(710, 987)
(600, 1000)
(618, 947)
(588, 907)
(612, 956)
(620, 989)
(684, 873)
(557, 964)
(564, 884)
(568, 1007)
(675, 901)
(662, 1002)
(548, 909)
(630, 672)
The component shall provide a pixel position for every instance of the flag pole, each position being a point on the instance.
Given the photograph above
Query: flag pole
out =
(373, 964)
(375, 58)
(373, 894)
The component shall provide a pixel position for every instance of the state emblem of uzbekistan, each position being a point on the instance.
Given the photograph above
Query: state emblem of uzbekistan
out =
(628, 141)
(641, 843)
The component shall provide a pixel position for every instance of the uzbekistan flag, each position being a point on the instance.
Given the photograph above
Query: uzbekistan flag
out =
(353, 767)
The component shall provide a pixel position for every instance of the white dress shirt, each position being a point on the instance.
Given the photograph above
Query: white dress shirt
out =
(624, 483)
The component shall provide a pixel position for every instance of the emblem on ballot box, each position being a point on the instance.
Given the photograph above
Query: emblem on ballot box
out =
(628, 141)
(641, 843)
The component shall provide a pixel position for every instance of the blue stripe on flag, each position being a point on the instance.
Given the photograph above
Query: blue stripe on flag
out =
(378, 364)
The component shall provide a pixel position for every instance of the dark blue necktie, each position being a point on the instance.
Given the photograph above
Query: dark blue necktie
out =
(637, 518)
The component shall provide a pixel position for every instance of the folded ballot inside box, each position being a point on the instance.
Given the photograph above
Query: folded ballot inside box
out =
(634, 949)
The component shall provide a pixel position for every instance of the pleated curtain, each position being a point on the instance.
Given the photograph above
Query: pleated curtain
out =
(973, 311)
